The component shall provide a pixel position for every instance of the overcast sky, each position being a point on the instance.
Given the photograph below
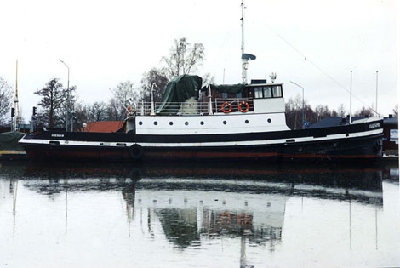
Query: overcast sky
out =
(311, 42)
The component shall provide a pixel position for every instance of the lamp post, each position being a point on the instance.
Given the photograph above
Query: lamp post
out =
(68, 98)
(302, 88)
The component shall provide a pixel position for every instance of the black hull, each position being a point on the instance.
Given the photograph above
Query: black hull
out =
(356, 148)
(357, 141)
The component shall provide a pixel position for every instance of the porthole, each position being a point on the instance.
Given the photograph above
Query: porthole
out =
(269, 120)
(201, 123)
(140, 123)
(155, 123)
(171, 123)
(186, 123)
(224, 122)
(247, 121)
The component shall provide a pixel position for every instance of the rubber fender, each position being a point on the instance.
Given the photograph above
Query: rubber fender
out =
(136, 151)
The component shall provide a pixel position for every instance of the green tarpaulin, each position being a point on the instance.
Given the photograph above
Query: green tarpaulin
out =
(179, 90)
(9, 141)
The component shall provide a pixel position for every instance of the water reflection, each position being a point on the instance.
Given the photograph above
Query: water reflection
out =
(330, 182)
(194, 206)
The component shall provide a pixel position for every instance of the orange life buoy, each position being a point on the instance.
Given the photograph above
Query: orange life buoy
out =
(225, 217)
(246, 106)
(226, 107)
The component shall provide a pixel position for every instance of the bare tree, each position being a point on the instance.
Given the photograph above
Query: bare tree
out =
(124, 94)
(97, 112)
(293, 111)
(208, 79)
(183, 58)
(322, 111)
(113, 110)
(5, 100)
(156, 77)
(395, 110)
(81, 114)
(342, 110)
(365, 112)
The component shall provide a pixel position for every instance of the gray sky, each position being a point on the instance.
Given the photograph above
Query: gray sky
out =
(311, 42)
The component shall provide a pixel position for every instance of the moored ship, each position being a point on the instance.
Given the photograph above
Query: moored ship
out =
(242, 121)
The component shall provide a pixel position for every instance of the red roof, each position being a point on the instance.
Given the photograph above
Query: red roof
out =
(103, 126)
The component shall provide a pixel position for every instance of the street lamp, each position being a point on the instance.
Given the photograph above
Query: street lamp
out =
(302, 88)
(68, 98)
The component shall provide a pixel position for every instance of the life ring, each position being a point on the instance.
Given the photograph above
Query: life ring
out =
(246, 106)
(226, 107)
(225, 217)
(135, 151)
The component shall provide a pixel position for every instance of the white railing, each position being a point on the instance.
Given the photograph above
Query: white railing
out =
(193, 107)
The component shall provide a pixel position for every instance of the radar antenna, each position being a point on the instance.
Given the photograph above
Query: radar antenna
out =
(273, 77)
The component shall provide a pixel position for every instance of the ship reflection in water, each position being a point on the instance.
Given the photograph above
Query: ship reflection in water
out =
(204, 215)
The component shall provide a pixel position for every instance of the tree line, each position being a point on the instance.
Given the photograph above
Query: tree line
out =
(294, 112)
(183, 58)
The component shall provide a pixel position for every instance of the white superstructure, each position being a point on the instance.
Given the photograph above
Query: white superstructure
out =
(261, 110)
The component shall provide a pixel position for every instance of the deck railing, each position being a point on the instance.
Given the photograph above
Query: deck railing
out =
(194, 107)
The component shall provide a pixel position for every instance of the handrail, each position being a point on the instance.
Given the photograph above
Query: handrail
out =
(199, 107)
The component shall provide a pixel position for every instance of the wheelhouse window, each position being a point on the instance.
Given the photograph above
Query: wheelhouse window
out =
(277, 91)
(258, 94)
(267, 92)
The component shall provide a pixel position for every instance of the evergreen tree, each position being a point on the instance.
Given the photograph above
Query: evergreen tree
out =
(53, 103)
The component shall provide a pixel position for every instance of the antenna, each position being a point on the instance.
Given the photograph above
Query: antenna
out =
(17, 118)
(245, 57)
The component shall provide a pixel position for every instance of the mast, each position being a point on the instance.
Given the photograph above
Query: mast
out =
(242, 19)
(244, 62)
(245, 57)
(351, 85)
(376, 95)
(17, 118)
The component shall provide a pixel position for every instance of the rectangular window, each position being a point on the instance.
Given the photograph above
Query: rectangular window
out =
(267, 92)
(394, 135)
(258, 93)
(224, 95)
(277, 91)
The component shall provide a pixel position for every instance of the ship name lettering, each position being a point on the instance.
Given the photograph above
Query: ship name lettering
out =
(374, 125)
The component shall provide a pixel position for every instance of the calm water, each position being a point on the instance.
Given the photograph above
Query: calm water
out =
(200, 215)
